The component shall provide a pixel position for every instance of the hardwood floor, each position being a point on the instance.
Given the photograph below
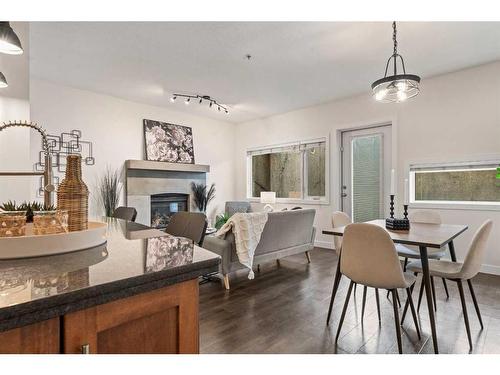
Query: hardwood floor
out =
(283, 310)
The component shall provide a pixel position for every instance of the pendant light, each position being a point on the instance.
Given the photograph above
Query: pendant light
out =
(397, 87)
(3, 81)
(9, 41)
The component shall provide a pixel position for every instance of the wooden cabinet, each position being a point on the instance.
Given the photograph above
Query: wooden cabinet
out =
(161, 321)
(164, 320)
(38, 338)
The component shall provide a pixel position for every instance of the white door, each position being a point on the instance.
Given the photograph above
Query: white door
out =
(366, 167)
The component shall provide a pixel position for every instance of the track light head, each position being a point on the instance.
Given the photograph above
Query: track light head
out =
(187, 101)
(172, 99)
(211, 103)
(201, 100)
(3, 81)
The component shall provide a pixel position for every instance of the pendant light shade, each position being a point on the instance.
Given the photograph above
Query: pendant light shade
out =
(397, 87)
(3, 81)
(9, 41)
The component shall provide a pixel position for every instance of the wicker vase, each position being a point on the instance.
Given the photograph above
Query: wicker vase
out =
(73, 195)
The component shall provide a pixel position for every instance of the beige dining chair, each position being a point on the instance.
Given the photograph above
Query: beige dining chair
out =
(369, 258)
(424, 217)
(341, 219)
(465, 271)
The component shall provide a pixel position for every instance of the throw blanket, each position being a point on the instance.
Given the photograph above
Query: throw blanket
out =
(247, 229)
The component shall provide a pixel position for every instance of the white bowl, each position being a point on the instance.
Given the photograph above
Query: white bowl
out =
(34, 246)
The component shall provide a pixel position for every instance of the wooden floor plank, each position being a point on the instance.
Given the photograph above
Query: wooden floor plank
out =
(283, 310)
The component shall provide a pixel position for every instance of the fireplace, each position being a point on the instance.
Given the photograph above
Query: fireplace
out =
(163, 206)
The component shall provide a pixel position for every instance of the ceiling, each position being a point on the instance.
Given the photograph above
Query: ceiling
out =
(293, 64)
(16, 67)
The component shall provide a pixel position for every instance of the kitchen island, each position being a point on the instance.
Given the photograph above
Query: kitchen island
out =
(138, 293)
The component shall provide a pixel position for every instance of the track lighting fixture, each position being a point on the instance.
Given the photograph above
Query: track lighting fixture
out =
(201, 99)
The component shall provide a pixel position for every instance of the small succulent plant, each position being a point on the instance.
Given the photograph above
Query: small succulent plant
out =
(29, 207)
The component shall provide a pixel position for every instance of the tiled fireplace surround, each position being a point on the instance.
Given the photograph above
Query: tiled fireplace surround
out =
(145, 178)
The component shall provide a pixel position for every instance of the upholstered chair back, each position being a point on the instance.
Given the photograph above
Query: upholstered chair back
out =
(125, 213)
(477, 248)
(370, 258)
(188, 224)
(339, 219)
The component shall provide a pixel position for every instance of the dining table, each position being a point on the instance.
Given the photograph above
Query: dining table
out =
(428, 238)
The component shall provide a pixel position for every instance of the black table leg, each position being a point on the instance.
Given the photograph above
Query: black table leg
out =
(336, 283)
(452, 251)
(426, 279)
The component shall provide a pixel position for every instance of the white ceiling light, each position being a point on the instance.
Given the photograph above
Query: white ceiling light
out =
(397, 87)
(9, 41)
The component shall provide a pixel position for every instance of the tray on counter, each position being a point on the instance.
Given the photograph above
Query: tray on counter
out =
(29, 246)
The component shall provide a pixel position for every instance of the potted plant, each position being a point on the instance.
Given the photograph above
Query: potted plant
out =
(109, 189)
(202, 197)
(220, 220)
(29, 207)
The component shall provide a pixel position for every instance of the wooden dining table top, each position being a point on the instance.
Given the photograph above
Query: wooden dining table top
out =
(420, 234)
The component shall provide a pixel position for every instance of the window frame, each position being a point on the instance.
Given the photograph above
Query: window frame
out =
(478, 164)
(304, 198)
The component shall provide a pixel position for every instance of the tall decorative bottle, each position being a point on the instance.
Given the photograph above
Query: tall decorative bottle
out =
(73, 194)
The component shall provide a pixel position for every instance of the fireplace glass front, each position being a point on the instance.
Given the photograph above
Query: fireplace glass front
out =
(163, 206)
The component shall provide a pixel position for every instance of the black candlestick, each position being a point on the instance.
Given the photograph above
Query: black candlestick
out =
(392, 206)
(405, 213)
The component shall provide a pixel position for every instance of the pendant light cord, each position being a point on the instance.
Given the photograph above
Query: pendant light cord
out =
(394, 32)
(395, 53)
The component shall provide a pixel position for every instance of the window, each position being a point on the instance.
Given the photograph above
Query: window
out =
(458, 183)
(294, 171)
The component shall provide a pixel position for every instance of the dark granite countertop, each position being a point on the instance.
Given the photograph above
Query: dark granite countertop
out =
(134, 260)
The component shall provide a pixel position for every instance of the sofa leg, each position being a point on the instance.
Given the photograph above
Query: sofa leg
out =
(308, 257)
(258, 267)
(278, 262)
(226, 282)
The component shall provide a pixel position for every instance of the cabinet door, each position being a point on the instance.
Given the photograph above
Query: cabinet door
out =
(37, 338)
(161, 321)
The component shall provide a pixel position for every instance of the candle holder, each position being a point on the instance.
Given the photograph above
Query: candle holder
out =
(392, 206)
(393, 223)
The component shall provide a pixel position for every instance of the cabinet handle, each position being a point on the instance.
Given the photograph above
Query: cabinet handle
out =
(86, 349)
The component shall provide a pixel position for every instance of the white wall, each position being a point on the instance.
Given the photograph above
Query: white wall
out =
(115, 128)
(455, 117)
(14, 151)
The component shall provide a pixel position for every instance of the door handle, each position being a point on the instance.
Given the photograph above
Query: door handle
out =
(344, 195)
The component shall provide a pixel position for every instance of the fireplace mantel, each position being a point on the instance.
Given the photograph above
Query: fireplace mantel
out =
(165, 166)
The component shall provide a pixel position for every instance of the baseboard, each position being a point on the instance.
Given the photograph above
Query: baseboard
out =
(324, 244)
(492, 270)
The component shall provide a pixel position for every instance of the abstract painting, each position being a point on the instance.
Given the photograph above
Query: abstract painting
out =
(168, 142)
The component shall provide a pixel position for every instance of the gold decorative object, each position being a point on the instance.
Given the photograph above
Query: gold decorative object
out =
(73, 194)
(50, 222)
(12, 223)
